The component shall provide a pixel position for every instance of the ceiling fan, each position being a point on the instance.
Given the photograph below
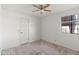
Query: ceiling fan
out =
(42, 8)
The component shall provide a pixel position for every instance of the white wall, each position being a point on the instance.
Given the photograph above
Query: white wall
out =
(51, 30)
(34, 29)
(0, 29)
(11, 28)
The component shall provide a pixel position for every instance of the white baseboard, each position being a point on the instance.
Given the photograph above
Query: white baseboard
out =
(77, 50)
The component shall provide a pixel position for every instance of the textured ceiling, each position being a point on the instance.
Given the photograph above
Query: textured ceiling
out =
(28, 8)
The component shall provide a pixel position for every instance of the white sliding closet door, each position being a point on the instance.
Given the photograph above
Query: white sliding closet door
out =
(29, 29)
(24, 30)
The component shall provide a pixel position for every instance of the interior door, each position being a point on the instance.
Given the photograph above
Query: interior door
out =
(23, 30)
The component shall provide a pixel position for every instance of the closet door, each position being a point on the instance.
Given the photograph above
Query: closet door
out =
(23, 30)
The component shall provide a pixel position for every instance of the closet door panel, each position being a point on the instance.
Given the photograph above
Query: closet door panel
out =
(23, 30)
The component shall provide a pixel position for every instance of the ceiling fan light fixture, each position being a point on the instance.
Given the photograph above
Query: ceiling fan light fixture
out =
(42, 11)
(42, 8)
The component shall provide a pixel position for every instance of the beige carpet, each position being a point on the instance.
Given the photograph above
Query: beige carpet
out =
(39, 48)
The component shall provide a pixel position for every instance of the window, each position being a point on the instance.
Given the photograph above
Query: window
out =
(70, 24)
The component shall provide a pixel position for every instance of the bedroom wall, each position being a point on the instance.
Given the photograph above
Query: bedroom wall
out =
(51, 30)
(0, 29)
(11, 36)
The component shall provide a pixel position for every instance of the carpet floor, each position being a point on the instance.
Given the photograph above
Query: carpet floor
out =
(39, 48)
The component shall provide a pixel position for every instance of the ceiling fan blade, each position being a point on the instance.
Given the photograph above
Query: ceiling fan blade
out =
(36, 6)
(35, 10)
(47, 10)
(47, 5)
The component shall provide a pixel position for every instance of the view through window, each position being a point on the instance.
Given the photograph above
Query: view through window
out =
(70, 24)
